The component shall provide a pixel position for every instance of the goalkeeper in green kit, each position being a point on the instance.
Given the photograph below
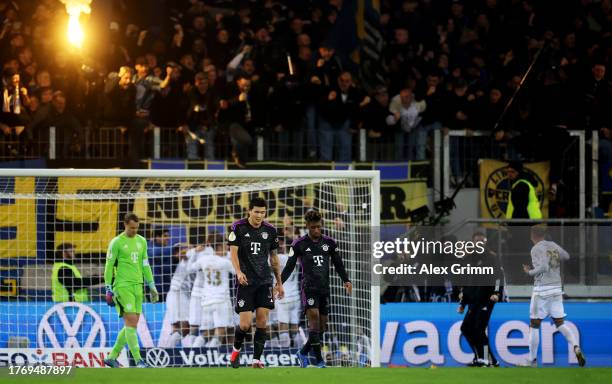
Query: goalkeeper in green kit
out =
(127, 265)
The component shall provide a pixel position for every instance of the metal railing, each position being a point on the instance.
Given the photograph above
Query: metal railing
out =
(111, 142)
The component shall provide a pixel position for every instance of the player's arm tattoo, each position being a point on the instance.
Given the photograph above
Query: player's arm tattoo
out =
(275, 264)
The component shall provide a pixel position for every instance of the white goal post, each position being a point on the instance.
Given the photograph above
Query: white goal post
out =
(42, 210)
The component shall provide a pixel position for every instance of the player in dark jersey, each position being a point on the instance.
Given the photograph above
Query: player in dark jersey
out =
(315, 252)
(252, 242)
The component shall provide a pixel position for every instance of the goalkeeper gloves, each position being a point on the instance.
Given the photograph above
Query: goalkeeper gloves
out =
(153, 292)
(109, 296)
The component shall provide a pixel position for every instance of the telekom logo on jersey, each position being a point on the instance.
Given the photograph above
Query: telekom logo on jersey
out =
(318, 259)
(255, 247)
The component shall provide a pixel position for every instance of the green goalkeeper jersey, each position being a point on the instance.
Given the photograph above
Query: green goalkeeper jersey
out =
(127, 262)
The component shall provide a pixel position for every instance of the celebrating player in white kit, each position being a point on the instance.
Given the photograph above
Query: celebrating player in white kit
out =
(196, 324)
(547, 297)
(288, 308)
(216, 303)
(177, 301)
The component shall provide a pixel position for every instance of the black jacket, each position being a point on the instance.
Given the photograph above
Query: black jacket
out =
(337, 112)
(482, 288)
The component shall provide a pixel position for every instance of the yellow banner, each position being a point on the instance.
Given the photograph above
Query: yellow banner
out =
(216, 209)
(495, 187)
(398, 198)
(90, 224)
(18, 222)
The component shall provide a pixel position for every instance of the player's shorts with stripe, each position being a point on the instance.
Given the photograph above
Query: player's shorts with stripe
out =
(316, 300)
(177, 306)
(288, 310)
(128, 299)
(249, 297)
(543, 306)
(217, 315)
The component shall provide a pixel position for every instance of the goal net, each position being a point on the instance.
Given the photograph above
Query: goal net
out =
(56, 225)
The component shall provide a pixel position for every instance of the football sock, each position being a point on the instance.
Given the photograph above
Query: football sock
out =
(305, 348)
(259, 342)
(569, 335)
(132, 341)
(284, 339)
(315, 344)
(239, 338)
(534, 342)
(119, 344)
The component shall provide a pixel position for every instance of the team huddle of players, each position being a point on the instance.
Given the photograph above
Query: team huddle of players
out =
(199, 302)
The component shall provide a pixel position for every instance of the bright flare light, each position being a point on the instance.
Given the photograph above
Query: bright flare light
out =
(74, 8)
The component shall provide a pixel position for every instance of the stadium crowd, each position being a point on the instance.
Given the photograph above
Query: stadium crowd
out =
(217, 74)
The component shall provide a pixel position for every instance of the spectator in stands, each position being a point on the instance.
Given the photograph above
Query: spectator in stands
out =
(305, 69)
(236, 114)
(287, 116)
(376, 122)
(410, 138)
(68, 129)
(489, 111)
(67, 283)
(328, 65)
(14, 115)
(43, 79)
(147, 85)
(169, 109)
(459, 116)
(119, 110)
(432, 92)
(596, 95)
(233, 66)
(201, 119)
(401, 57)
(471, 42)
(187, 68)
(223, 47)
(338, 110)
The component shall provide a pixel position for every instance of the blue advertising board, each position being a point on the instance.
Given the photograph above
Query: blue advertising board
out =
(425, 334)
(412, 334)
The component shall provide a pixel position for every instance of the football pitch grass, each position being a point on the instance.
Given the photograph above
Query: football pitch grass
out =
(326, 376)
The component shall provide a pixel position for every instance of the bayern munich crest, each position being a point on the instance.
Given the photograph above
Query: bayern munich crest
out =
(325, 247)
(241, 303)
(311, 301)
(264, 235)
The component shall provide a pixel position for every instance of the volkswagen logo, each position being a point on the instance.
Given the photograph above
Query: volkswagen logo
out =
(81, 327)
(157, 357)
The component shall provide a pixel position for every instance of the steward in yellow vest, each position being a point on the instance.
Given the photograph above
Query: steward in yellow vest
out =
(523, 202)
(66, 281)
